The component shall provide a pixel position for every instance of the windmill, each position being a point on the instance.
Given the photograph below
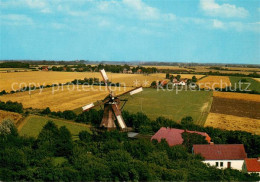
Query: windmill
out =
(112, 109)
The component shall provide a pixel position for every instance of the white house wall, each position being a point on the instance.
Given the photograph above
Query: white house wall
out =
(235, 164)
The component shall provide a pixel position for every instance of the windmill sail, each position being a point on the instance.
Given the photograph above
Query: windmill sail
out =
(119, 117)
(132, 92)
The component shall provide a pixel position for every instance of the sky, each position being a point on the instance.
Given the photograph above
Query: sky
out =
(205, 31)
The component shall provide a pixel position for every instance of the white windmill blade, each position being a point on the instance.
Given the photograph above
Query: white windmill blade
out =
(86, 107)
(119, 117)
(104, 75)
(140, 89)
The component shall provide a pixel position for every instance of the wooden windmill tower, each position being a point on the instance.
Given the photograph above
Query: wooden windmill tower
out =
(112, 108)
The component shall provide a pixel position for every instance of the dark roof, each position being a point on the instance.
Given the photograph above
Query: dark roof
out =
(173, 136)
(252, 165)
(221, 151)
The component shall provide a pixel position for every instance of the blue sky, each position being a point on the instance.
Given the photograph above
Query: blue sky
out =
(207, 31)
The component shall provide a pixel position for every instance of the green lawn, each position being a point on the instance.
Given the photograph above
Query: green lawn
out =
(171, 105)
(255, 85)
(33, 125)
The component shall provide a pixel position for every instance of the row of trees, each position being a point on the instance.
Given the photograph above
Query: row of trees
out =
(107, 156)
(11, 106)
(14, 65)
(108, 68)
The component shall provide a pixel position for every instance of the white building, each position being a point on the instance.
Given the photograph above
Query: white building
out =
(222, 155)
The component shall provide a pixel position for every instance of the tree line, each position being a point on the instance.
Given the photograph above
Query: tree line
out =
(14, 65)
(100, 156)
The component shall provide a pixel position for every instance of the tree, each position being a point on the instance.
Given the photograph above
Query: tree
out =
(46, 111)
(64, 144)
(194, 79)
(7, 127)
(153, 84)
(48, 138)
(178, 77)
(189, 139)
(167, 76)
(187, 121)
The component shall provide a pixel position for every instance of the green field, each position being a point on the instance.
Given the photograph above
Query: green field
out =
(34, 124)
(254, 85)
(171, 105)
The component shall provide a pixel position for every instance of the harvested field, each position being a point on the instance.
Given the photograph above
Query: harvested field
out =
(33, 125)
(241, 108)
(257, 79)
(239, 96)
(211, 82)
(10, 115)
(230, 122)
(51, 77)
(61, 100)
(189, 76)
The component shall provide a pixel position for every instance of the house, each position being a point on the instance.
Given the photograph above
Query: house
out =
(130, 72)
(222, 155)
(45, 68)
(139, 71)
(252, 165)
(124, 70)
(173, 136)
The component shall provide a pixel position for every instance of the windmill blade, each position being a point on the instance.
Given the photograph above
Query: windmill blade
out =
(104, 75)
(105, 79)
(87, 107)
(119, 117)
(132, 92)
(95, 104)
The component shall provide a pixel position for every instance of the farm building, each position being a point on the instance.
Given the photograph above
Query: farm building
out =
(252, 165)
(45, 68)
(222, 155)
(173, 136)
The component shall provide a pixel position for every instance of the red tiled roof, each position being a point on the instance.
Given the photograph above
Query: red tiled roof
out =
(252, 165)
(221, 151)
(173, 136)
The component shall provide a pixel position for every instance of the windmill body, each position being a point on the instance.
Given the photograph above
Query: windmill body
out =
(112, 108)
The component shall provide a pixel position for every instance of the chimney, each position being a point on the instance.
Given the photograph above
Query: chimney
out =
(258, 159)
(211, 143)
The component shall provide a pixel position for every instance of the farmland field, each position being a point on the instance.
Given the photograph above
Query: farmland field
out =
(171, 105)
(257, 79)
(33, 125)
(10, 115)
(254, 85)
(61, 100)
(239, 96)
(230, 122)
(241, 108)
(51, 77)
(211, 82)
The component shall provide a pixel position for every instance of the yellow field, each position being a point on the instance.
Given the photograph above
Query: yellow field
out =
(10, 115)
(212, 82)
(9, 80)
(60, 100)
(240, 96)
(230, 122)
(168, 67)
(257, 79)
(45, 78)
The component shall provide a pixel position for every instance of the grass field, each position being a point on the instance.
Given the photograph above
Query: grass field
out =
(33, 125)
(15, 117)
(61, 100)
(239, 96)
(211, 82)
(171, 105)
(254, 85)
(230, 122)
